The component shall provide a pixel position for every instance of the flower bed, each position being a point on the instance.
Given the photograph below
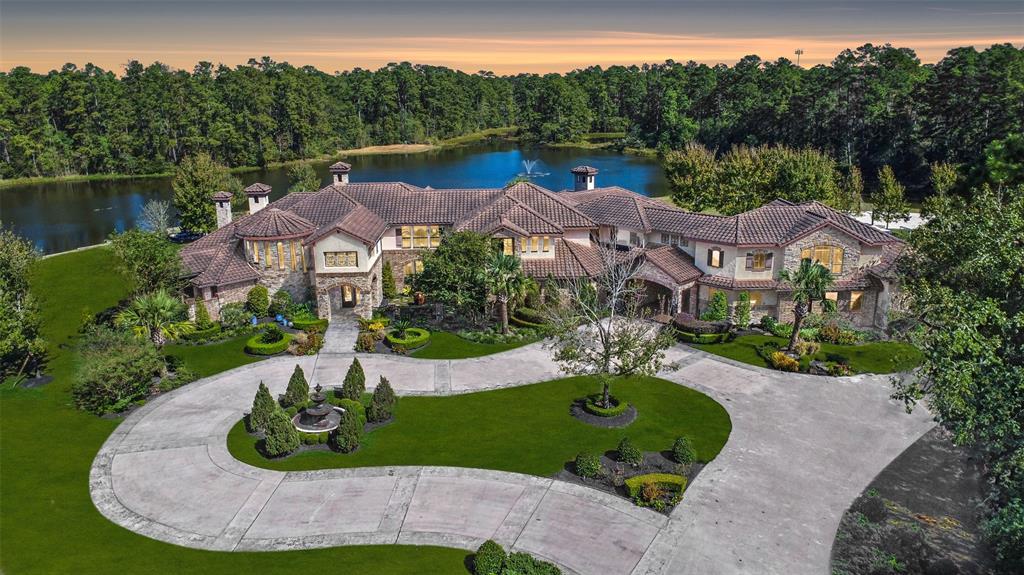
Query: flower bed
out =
(414, 337)
(590, 404)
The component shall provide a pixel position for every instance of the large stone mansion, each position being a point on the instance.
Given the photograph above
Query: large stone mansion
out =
(332, 244)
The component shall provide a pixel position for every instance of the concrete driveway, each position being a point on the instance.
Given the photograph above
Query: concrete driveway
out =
(802, 448)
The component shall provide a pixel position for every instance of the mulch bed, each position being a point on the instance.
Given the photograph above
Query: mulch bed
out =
(621, 420)
(616, 473)
(932, 495)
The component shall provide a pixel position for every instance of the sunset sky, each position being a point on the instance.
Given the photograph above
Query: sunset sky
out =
(503, 37)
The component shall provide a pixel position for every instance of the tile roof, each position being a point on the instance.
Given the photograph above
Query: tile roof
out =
(359, 222)
(221, 196)
(674, 262)
(572, 260)
(727, 282)
(257, 189)
(274, 223)
(615, 206)
(226, 266)
(780, 222)
(340, 167)
(588, 170)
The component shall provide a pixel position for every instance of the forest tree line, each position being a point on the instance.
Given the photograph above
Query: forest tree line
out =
(873, 106)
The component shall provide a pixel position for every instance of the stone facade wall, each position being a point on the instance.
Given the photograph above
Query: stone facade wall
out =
(368, 286)
(398, 259)
(298, 283)
(831, 237)
(864, 317)
(234, 293)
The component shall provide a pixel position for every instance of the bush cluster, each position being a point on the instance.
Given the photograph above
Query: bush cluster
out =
(783, 362)
(531, 315)
(366, 343)
(628, 453)
(588, 465)
(803, 348)
(666, 481)
(686, 323)
(116, 370)
(592, 405)
(494, 335)
(202, 334)
(313, 438)
(718, 308)
(235, 315)
(704, 338)
(491, 559)
(280, 303)
(683, 451)
(354, 406)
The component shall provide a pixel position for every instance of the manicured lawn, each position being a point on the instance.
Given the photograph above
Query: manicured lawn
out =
(213, 358)
(524, 429)
(874, 357)
(447, 345)
(48, 523)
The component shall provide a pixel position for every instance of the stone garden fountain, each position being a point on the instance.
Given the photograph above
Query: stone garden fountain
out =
(319, 417)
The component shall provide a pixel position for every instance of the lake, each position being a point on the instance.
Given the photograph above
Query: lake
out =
(67, 215)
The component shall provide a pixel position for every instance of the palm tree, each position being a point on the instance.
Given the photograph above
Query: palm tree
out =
(505, 279)
(809, 282)
(157, 316)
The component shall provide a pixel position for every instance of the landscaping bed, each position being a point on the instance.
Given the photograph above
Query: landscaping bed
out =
(874, 357)
(448, 345)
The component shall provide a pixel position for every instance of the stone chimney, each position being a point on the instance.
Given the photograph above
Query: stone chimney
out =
(339, 172)
(583, 178)
(222, 202)
(259, 197)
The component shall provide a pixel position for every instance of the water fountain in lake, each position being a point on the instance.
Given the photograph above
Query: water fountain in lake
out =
(319, 417)
(529, 165)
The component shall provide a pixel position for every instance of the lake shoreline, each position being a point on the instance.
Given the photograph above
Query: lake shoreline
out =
(506, 134)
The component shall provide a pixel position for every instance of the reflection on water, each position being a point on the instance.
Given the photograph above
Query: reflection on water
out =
(63, 216)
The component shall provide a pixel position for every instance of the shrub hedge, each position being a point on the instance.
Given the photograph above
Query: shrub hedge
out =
(667, 481)
(414, 337)
(304, 323)
(256, 346)
(203, 334)
(703, 338)
(531, 315)
(590, 405)
(520, 322)
(588, 465)
(687, 323)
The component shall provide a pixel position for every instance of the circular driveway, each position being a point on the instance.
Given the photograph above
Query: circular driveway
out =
(802, 448)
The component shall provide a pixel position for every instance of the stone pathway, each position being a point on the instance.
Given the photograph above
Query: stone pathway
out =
(801, 449)
(340, 336)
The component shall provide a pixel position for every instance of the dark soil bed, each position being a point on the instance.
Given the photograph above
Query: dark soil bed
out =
(622, 420)
(616, 473)
(922, 512)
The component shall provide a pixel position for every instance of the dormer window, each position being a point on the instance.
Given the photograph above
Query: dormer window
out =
(418, 237)
(535, 245)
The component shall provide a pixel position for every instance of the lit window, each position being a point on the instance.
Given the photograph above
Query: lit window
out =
(506, 246)
(341, 259)
(759, 261)
(547, 244)
(855, 300)
(413, 267)
(832, 295)
(406, 232)
(829, 256)
(419, 236)
(435, 236)
(714, 258)
(756, 298)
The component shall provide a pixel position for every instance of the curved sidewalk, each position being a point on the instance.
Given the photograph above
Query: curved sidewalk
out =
(801, 449)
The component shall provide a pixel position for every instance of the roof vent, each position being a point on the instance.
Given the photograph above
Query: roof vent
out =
(339, 172)
(583, 178)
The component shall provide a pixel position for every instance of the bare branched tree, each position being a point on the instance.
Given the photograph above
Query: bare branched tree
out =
(156, 216)
(599, 329)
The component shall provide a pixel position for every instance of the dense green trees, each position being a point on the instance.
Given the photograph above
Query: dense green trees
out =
(452, 274)
(148, 259)
(965, 310)
(21, 346)
(196, 179)
(872, 106)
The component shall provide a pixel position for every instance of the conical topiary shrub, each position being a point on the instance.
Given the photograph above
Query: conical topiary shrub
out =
(203, 320)
(298, 389)
(355, 382)
(263, 407)
(382, 406)
(349, 432)
(281, 436)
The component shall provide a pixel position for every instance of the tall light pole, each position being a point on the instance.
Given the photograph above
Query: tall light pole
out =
(799, 52)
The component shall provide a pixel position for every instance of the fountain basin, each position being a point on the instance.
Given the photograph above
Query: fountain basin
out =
(307, 423)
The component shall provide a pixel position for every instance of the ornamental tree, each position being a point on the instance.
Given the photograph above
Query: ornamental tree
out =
(263, 406)
(382, 406)
(349, 433)
(890, 198)
(280, 436)
(196, 179)
(505, 280)
(355, 381)
(203, 320)
(258, 300)
(809, 282)
(451, 273)
(298, 389)
(21, 346)
(387, 281)
(148, 259)
(599, 329)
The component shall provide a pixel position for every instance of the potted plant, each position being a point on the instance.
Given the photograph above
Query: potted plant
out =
(420, 298)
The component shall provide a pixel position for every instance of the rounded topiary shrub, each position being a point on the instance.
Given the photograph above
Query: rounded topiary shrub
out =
(281, 436)
(588, 465)
(412, 338)
(489, 559)
(258, 300)
(628, 453)
(354, 406)
(683, 451)
(592, 405)
(355, 381)
(349, 433)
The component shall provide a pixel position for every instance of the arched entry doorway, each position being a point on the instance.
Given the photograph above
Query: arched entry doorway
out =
(343, 298)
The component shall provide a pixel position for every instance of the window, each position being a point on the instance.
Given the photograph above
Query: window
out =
(535, 244)
(832, 295)
(507, 246)
(714, 258)
(756, 298)
(341, 259)
(674, 240)
(758, 261)
(829, 256)
(418, 236)
(413, 267)
(634, 239)
(855, 300)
